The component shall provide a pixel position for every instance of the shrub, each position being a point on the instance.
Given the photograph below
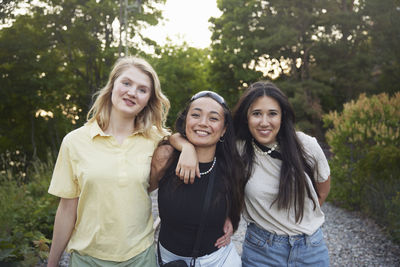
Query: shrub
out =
(365, 141)
(26, 214)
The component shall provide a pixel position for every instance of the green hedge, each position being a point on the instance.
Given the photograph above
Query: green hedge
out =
(365, 141)
(26, 214)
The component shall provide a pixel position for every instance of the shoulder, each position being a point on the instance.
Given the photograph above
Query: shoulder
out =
(78, 134)
(311, 146)
(163, 153)
(156, 135)
(306, 140)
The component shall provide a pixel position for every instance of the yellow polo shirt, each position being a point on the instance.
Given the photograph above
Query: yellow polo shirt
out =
(114, 219)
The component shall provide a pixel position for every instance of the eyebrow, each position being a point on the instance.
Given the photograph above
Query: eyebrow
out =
(130, 80)
(212, 111)
(125, 78)
(271, 109)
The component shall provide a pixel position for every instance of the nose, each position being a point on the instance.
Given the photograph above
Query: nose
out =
(264, 120)
(203, 121)
(132, 91)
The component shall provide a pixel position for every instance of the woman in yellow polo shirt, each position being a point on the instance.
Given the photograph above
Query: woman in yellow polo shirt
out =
(102, 173)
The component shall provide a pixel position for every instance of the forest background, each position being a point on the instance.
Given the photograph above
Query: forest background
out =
(337, 60)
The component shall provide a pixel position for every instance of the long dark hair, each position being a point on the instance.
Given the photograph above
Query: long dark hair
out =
(295, 161)
(228, 159)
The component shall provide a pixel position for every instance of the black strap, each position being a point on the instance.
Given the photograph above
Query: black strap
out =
(206, 205)
(159, 254)
(203, 217)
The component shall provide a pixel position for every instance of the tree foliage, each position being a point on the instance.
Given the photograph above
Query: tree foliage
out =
(26, 215)
(52, 60)
(183, 71)
(384, 27)
(319, 52)
(365, 141)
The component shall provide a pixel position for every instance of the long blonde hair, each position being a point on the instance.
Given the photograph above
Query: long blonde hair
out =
(154, 114)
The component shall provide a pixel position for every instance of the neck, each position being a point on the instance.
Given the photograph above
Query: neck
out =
(205, 154)
(120, 127)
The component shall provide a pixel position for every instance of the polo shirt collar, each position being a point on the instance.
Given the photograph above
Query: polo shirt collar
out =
(95, 130)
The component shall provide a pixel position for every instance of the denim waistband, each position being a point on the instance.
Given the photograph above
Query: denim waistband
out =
(271, 237)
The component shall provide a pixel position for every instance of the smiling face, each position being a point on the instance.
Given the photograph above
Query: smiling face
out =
(264, 120)
(205, 122)
(131, 92)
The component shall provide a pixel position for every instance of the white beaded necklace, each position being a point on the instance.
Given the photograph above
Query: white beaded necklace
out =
(266, 153)
(210, 169)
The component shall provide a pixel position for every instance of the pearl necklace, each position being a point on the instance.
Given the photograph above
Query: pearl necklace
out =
(210, 169)
(256, 148)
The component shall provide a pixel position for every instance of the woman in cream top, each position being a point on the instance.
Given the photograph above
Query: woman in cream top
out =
(287, 182)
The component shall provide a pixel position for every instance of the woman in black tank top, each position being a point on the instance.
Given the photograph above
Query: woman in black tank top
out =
(206, 122)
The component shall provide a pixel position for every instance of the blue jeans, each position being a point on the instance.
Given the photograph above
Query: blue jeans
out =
(262, 248)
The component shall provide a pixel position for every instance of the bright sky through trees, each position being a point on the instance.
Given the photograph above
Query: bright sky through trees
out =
(185, 20)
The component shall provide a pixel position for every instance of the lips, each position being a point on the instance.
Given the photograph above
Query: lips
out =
(201, 133)
(264, 132)
(129, 102)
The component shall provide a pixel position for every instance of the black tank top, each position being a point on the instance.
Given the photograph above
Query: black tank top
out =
(180, 207)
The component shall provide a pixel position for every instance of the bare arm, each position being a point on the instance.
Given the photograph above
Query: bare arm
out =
(159, 165)
(323, 190)
(188, 165)
(64, 224)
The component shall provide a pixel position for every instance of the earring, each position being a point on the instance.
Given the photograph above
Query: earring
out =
(221, 139)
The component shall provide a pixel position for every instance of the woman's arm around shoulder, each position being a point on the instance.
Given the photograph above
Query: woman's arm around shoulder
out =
(161, 156)
(64, 224)
(188, 165)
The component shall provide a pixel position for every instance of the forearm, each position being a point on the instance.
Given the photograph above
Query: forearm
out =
(159, 163)
(179, 142)
(188, 166)
(64, 224)
(323, 190)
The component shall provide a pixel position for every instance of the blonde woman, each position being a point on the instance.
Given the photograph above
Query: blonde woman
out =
(102, 173)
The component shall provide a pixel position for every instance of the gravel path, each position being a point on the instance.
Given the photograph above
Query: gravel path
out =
(352, 240)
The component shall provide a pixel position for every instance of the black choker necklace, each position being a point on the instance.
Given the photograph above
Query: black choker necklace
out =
(264, 150)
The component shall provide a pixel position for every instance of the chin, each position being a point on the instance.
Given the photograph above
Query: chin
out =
(202, 144)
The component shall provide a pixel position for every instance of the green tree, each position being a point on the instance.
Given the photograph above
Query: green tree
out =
(384, 28)
(319, 52)
(183, 71)
(252, 34)
(7, 8)
(52, 60)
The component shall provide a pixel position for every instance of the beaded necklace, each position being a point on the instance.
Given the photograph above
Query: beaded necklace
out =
(210, 169)
(266, 153)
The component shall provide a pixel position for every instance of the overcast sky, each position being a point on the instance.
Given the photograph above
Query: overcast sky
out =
(186, 20)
